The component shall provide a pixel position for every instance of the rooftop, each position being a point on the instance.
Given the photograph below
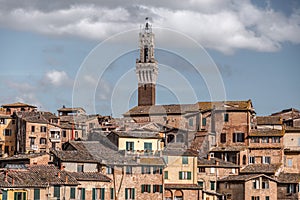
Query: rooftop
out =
(261, 168)
(269, 120)
(17, 104)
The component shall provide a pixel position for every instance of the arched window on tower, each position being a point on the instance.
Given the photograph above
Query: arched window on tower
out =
(145, 54)
(170, 138)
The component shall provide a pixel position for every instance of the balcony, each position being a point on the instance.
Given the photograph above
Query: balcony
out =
(54, 138)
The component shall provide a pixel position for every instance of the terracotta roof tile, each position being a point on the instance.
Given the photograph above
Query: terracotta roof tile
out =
(260, 168)
(18, 104)
(266, 132)
(90, 176)
(289, 178)
(268, 120)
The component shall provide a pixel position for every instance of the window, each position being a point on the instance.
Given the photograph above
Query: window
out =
(166, 175)
(266, 160)
(81, 193)
(76, 134)
(291, 188)
(32, 140)
(7, 132)
(148, 146)
(6, 149)
(290, 162)
(203, 121)
(109, 170)
(223, 138)
(200, 184)
(267, 198)
(226, 117)
(254, 139)
(251, 160)
(79, 167)
(265, 184)
(43, 129)
(19, 195)
(129, 193)
(212, 185)
(157, 170)
(185, 175)
(146, 170)
(32, 128)
(157, 188)
(264, 140)
(42, 140)
(238, 137)
(275, 139)
(57, 192)
(64, 133)
(98, 193)
(185, 160)
(146, 188)
(128, 170)
(255, 184)
(112, 193)
(36, 194)
(201, 169)
(255, 198)
(191, 122)
(72, 193)
(129, 146)
(2, 121)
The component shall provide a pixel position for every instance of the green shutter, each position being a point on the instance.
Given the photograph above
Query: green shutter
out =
(185, 160)
(94, 193)
(15, 195)
(57, 191)
(161, 189)
(166, 175)
(72, 193)
(24, 195)
(133, 193)
(126, 193)
(102, 193)
(83, 194)
(127, 146)
(4, 194)
(143, 190)
(149, 188)
(180, 175)
(189, 175)
(112, 193)
(203, 121)
(36, 194)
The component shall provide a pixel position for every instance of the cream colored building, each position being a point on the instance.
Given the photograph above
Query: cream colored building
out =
(7, 135)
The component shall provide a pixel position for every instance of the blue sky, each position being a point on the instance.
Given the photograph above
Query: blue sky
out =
(45, 50)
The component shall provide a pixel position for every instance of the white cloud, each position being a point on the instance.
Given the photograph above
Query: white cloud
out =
(221, 25)
(57, 78)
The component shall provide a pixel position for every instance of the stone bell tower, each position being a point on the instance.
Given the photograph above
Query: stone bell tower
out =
(146, 67)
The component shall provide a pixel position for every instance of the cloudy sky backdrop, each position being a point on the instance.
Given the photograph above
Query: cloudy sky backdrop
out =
(255, 45)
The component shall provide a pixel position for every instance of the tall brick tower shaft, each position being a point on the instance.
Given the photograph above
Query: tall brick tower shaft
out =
(146, 67)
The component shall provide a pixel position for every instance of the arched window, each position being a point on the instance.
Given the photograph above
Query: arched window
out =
(170, 138)
(178, 195)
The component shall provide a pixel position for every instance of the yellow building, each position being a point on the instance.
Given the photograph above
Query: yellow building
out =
(7, 135)
(180, 175)
(137, 142)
